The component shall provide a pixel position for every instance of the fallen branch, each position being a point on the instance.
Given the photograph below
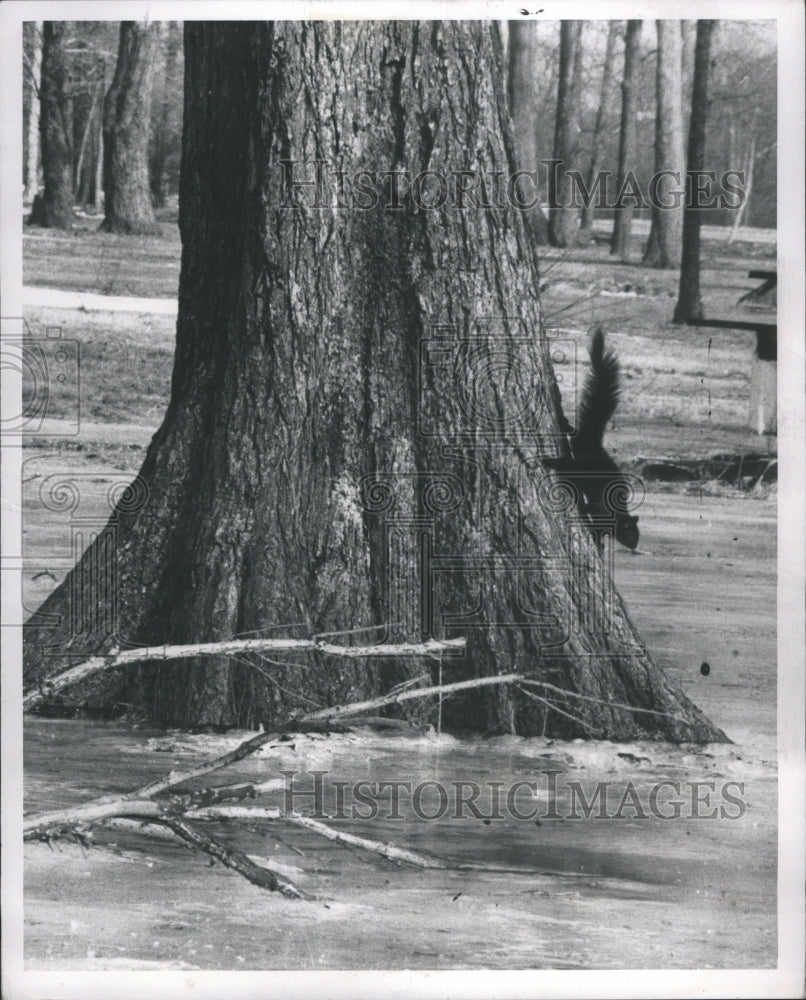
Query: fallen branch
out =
(258, 875)
(91, 812)
(201, 804)
(391, 851)
(115, 659)
(155, 813)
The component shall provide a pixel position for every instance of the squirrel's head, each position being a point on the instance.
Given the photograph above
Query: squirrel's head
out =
(627, 530)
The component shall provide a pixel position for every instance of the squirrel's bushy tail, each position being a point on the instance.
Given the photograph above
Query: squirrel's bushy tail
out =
(600, 395)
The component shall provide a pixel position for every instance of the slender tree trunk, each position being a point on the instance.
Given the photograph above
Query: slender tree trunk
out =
(351, 442)
(622, 224)
(598, 128)
(664, 246)
(563, 215)
(98, 186)
(688, 38)
(169, 87)
(98, 154)
(31, 178)
(689, 303)
(522, 85)
(749, 167)
(127, 116)
(54, 207)
(82, 174)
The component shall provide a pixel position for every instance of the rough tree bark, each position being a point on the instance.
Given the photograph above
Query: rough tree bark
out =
(360, 400)
(54, 206)
(127, 117)
(522, 85)
(664, 245)
(30, 180)
(689, 303)
(622, 223)
(563, 214)
(173, 42)
(598, 128)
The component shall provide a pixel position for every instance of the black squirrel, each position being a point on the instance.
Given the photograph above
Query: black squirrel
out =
(590, 469)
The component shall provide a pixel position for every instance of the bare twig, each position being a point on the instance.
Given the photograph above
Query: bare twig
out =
(253, 744)
(556, 708)
(530, 682)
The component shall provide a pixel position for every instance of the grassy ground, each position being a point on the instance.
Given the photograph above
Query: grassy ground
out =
(685, 391)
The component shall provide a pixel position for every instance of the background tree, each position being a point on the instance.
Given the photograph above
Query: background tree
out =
(127, 117)
(743, 131)
(689, 304)
(613, 32)
(523, 79)
(54, 207)
(664, 246)
(32, 55)
(622, 223)
(166, 128)
(91, 51)
(343, 415)
(688, 35)
(564, 219)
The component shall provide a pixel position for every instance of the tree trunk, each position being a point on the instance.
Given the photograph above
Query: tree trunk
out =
(31, 177)
(689, 303)
(127, 117)
(169, 86)
(83, 171)
(98, 184)
(749, 169)
(688, 35)
(622, 224)
(98, 153)
(664, 246)
(563, 214)
(598, 128)
(522, 85)
(54, 207)
(355, 431)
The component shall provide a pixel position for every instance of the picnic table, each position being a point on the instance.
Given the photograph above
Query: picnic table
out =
(764, 374)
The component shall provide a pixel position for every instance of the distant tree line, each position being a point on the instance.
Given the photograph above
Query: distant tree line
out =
(584, 70)
(102, 110)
